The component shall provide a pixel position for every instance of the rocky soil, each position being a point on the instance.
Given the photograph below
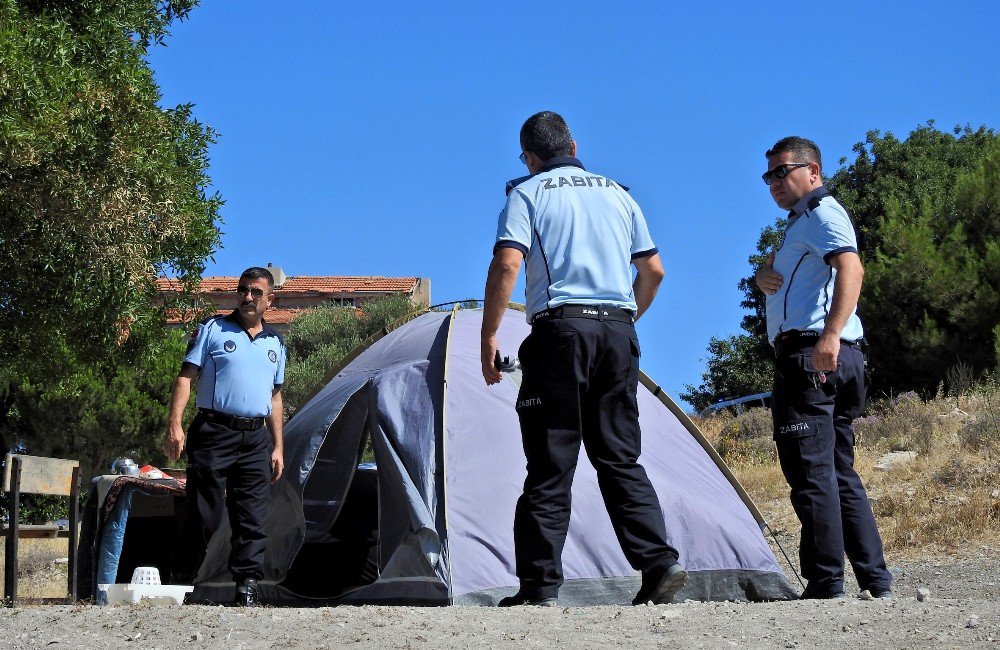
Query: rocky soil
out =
(962, 610)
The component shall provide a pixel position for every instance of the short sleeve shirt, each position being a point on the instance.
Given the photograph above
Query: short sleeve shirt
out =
(818, 229)
(238, 373)
(579, 233)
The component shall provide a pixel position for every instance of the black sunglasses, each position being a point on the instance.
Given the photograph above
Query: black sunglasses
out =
(256, 292)
(781, 171)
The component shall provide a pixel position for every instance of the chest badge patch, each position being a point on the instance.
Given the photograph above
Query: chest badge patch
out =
(273, 356)
(229, 345)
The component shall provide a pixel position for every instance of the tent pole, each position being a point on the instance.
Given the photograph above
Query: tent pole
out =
(693, 429)
(443, 438)
(790, 565)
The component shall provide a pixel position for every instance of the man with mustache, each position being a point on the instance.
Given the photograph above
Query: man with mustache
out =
(233, 457)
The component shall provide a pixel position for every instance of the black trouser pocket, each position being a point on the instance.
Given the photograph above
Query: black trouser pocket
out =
(803, 449)
(548, 393)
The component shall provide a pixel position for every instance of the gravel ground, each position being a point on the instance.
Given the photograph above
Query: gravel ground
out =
(963, 611)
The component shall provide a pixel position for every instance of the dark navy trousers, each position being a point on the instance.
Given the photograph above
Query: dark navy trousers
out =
(229, 470)
(579, 385)
(814, 434)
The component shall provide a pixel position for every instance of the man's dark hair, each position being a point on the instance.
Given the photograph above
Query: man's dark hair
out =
(805, 150)
(546, 135)
(256, 273)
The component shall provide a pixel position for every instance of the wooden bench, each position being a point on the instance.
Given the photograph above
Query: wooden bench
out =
(37, 531)
(37, 475)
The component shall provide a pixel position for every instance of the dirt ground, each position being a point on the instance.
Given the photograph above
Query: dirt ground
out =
(963, 610)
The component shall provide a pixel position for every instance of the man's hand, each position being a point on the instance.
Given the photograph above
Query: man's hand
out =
(277, 465)
(489, 353)
(826, 352)
(767, 279)
(173, 443)
(500, 279)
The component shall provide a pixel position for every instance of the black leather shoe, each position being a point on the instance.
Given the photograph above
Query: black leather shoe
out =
(808, 595)
(527, 599)
(246, 593)
(660, 587)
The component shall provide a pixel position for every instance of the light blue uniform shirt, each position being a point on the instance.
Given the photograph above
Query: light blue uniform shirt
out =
(579, 233)
(818, 229)
(238, 372)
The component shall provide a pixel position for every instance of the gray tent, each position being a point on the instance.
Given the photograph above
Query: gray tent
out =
(433, 523)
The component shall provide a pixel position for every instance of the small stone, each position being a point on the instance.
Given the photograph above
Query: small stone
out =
(866, 595)
(895, 458)
(973, 622)
(789, 644)
(196, 636)
(923, 594)
(845, 628)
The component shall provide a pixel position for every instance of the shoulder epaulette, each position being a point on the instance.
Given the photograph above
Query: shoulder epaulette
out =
(511, 184)
(814, 201)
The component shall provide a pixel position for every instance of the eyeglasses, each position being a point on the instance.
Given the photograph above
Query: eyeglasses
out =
(523, 158)
(781, 171)
(253, 291)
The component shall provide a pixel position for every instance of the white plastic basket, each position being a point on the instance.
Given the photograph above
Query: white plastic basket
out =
(146, 575)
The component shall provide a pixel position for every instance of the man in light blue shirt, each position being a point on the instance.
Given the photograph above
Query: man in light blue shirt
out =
(580, 233)
(239, 361)
(812, 283)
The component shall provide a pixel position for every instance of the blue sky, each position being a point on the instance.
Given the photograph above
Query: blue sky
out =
(375, 138)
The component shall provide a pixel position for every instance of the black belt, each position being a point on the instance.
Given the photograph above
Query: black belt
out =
(804, 338)
(234, 422)
(595, 312)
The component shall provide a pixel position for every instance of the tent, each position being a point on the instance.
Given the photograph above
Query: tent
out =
(431, 521)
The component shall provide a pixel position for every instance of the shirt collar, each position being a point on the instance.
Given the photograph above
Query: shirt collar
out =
(550, 164)
(808, 202)
(235, 318)
(561, 161)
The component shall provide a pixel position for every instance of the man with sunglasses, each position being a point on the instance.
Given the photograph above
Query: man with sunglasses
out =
(233, 457)
(812, 283)
(579, 233)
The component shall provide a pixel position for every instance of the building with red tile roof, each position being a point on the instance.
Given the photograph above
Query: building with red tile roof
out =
(295, 294)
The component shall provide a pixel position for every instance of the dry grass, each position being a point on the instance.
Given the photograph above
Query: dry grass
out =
(39, 575)
(946, 500)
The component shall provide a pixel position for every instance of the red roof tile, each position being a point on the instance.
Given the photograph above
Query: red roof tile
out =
(306, 284)
(273, 316)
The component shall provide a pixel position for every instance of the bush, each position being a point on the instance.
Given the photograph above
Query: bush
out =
(982, 433)
(905, 423)
(748, 438)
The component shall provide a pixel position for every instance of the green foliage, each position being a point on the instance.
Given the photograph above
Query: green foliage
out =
(100, 410)
(926, 210)
(736, 366)
(320, 338)
(100, 188)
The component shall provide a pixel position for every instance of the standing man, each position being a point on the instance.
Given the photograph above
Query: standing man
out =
(232, 459)
(579, 232)
(819, 378)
